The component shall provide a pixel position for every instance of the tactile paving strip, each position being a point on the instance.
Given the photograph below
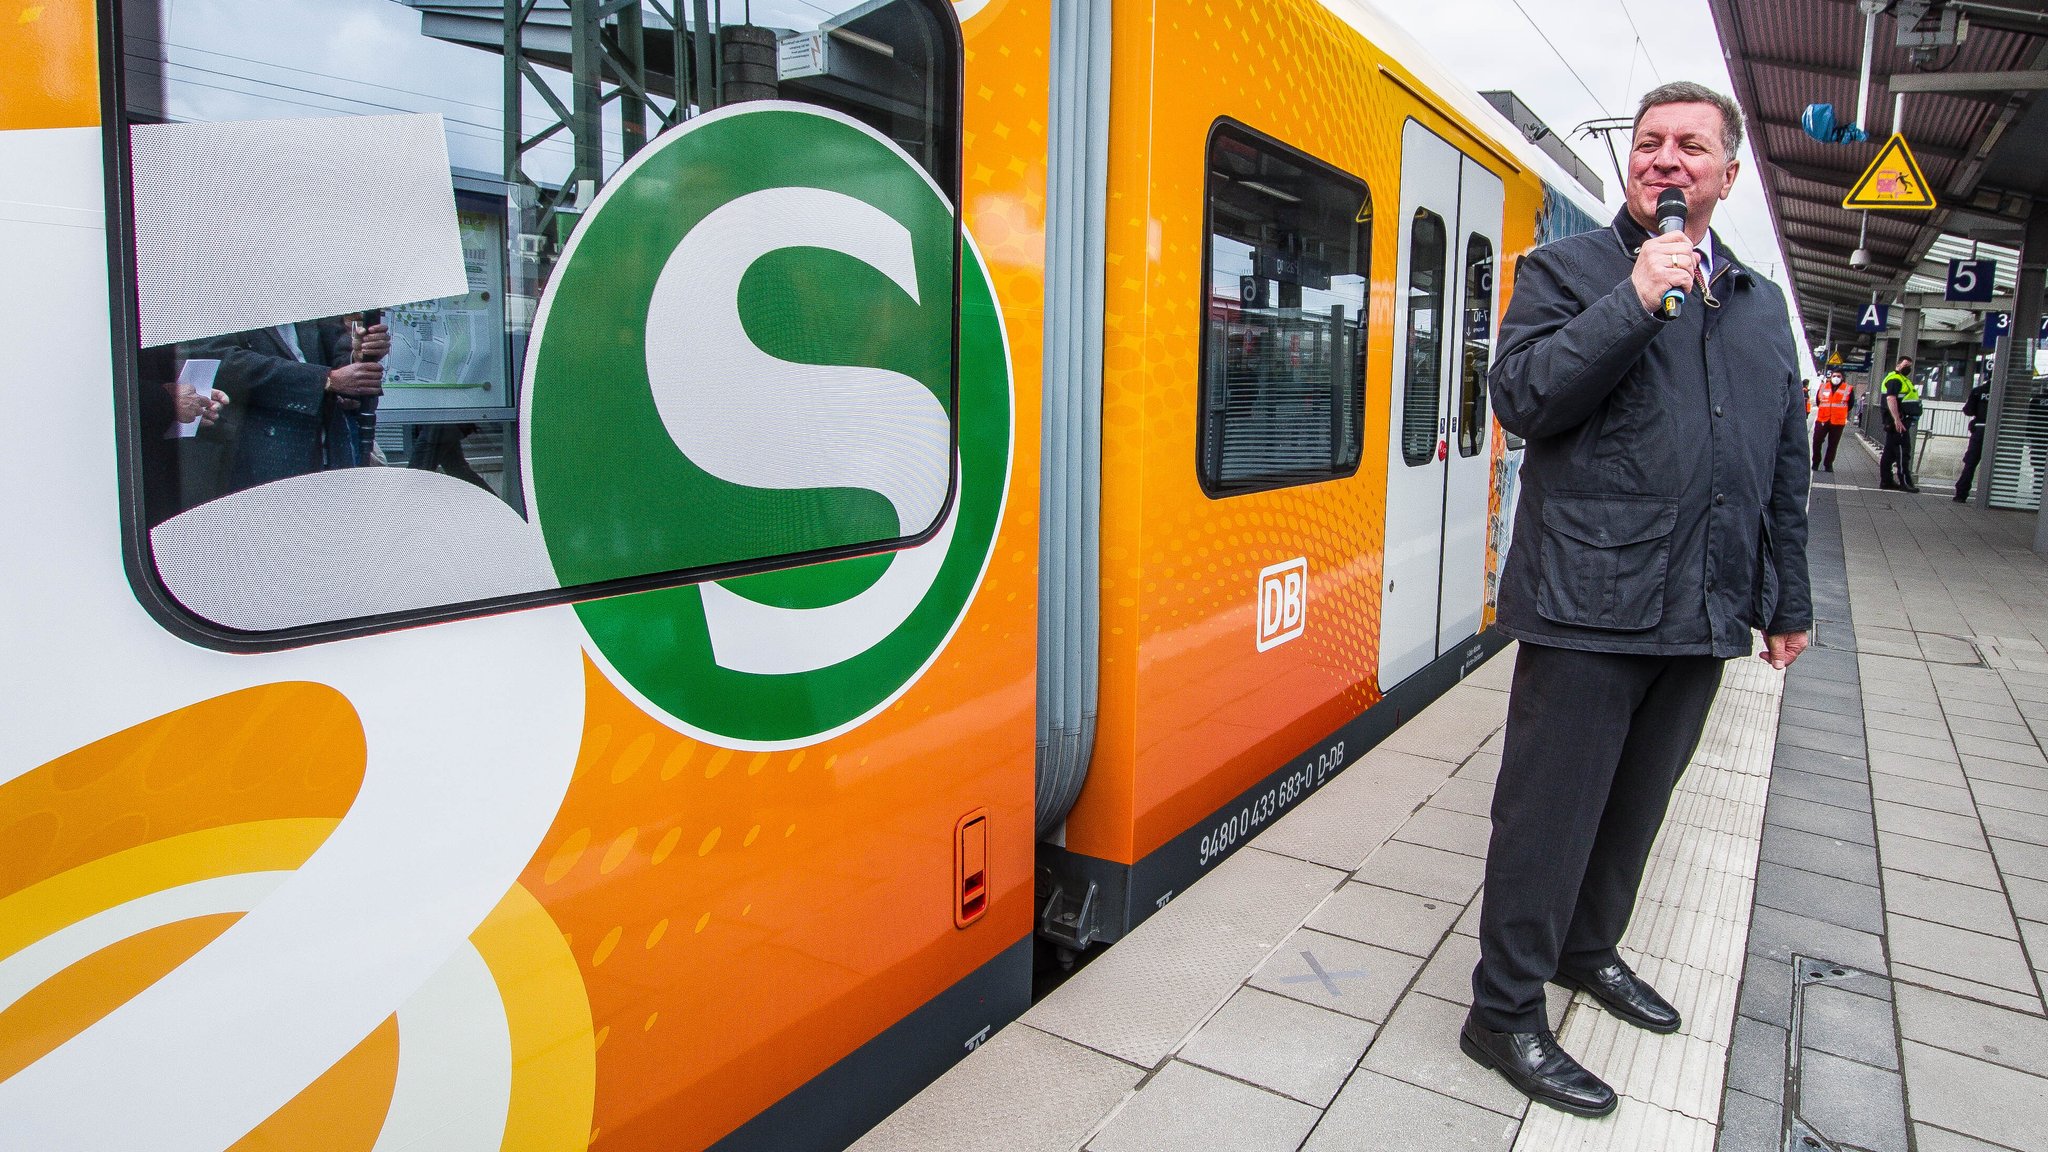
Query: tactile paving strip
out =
(1688, 938)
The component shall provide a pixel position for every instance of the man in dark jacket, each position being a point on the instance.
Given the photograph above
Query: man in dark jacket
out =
(1662, 520)
(1974, 409)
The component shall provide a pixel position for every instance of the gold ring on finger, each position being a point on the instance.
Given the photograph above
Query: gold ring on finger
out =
(1677, 261)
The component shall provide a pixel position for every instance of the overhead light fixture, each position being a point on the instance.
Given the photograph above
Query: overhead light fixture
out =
(1269, 190)
(860, 41)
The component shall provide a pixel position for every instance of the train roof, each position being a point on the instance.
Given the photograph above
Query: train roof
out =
(1457, 97)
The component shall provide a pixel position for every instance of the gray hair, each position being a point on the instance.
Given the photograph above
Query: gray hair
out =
(1687, 92)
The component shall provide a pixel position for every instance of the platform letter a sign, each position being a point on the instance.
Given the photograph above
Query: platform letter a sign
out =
(1873, 318)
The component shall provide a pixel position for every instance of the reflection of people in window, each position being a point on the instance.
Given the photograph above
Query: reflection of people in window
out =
(307, 397)
(438, 448)
(178, 470)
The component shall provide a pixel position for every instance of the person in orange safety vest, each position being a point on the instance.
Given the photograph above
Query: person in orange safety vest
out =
(1831, 415)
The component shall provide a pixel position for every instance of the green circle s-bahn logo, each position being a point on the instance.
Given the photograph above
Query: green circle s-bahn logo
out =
(745, 353)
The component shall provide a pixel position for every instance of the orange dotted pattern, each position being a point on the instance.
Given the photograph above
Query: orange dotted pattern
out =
(745, 919)
(1192, 714)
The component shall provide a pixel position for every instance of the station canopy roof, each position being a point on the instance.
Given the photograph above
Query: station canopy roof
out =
(1981, 148)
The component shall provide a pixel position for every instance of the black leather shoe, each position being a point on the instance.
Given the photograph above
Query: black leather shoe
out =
(1625, 994)
(1886, 485)
(1538, 1068)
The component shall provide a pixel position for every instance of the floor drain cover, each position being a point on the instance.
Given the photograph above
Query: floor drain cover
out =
(1804, 1133)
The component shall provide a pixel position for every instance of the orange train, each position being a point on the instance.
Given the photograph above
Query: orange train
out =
(593, 573)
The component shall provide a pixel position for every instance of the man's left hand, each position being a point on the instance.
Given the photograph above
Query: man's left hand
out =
(1780, 651)
(374, 343)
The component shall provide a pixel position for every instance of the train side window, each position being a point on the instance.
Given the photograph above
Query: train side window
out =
(1428, 247)
(394, 351)
(1478, 345)
(1284, 302)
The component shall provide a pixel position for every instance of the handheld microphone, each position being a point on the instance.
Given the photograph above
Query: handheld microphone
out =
(1671, 214)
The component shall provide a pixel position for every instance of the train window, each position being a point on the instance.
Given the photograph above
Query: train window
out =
(402, 343)
(1478, 350)
(1283, 354)
(1427, 251)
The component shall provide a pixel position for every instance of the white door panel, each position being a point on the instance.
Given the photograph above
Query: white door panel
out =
(1482, 199)
(1415, 477)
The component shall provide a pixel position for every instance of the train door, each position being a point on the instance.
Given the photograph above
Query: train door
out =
(1468, 481)
(1417, 463)
(1439, 451)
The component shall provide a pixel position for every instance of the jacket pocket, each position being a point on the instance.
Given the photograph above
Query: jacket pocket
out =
(1604, 559)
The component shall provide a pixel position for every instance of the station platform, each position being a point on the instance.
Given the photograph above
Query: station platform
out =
(1849, 903)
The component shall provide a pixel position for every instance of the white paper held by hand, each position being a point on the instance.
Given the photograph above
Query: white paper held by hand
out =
(198, 376)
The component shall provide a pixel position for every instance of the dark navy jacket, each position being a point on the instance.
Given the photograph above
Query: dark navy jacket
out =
(279, 411)
(1663, 506)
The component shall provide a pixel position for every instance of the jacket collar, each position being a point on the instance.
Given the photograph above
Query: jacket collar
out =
(1631, 236)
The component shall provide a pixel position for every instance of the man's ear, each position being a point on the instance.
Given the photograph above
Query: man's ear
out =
(1728, 182)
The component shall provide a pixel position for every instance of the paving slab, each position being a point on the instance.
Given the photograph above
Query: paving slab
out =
(2017, 1040)
(2029, 899)
(2006, 824)
(1387, 918)
(1958, 952)
(1821, 819)
(1942, 861)
(1852, 1103)
(1029, 1091)
(1364, 805)
(1828, 898)
(2021, 858)
(1944, 902)
(1450, 831)
(1750, 1124)
(1341, 975)
(1853, 1026)
(1977, 1098)
(1756, 1061)
(1143, 996)
(1851, 794)
(1188, 1109)
(1379, 1112)
(1932, 1139)
(1424, 871)
(1419, 1044)
(1823, 854)
(1282, 1045)
(1883, 759)
(1780, 935)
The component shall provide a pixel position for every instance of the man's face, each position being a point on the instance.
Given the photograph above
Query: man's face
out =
(1679, 146)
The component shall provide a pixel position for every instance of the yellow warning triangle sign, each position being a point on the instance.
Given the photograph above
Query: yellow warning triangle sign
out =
(1893, 180)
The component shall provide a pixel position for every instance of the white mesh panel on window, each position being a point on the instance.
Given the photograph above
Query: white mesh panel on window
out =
(344, 545)
(247, 224)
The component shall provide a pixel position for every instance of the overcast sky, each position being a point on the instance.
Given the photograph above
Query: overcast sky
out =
(1608, 53)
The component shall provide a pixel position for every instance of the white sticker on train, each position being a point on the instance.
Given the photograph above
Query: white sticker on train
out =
(1283, 602)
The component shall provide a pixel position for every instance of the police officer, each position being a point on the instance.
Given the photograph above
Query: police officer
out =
(1973, 408)
(1829, 419)
(1902, 416)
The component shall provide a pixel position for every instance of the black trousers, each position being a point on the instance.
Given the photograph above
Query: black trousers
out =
(1826, 438)
(1595, 743)
(1896, 465)
(1971, 456)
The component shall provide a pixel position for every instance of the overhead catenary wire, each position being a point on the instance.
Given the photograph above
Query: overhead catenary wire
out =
(1545, 36)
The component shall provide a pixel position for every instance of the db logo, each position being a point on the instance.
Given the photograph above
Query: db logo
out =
(1283, 602)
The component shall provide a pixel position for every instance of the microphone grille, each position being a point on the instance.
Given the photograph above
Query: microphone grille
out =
(1671, 203)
